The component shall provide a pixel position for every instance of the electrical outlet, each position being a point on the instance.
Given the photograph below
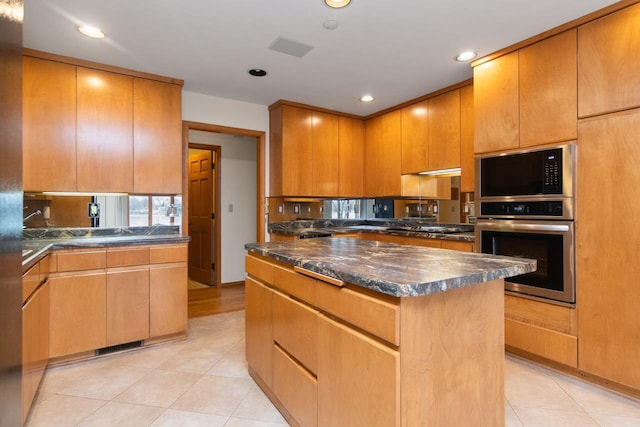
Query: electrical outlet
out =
(280, 208)
(296, 209)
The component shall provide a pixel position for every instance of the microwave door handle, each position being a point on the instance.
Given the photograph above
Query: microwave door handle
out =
(526, 227)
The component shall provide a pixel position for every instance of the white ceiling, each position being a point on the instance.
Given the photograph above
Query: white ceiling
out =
(395, 49)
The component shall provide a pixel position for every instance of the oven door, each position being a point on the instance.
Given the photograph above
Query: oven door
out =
(550, 243)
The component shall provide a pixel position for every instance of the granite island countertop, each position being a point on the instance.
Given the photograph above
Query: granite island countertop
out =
(389, 268)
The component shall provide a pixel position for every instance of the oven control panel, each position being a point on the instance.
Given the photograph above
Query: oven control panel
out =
(530, 209)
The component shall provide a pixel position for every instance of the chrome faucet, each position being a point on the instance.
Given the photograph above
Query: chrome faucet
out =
(32, 214)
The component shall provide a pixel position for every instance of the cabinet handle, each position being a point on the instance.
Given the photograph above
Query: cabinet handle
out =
(327, 279)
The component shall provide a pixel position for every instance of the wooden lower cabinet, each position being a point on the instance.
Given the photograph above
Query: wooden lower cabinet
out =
(358, 378)
(127, 305)
(332, 355)
(168, 299)
(78, 313)
(35, 344)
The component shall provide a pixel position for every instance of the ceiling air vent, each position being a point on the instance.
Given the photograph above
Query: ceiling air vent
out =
(289, 47)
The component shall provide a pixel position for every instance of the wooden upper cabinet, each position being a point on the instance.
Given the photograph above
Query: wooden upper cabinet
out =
(351, 157)
(495, 96)
(467, 176)
(157, 137)
(104, 131)
(415, 137)
(444, 131)
(325, 152)
(49, 125)
(608, 63)
(382, 155)
(548, 90)
(291, 148)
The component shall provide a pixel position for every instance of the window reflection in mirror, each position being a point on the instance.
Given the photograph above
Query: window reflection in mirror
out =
(72, 210)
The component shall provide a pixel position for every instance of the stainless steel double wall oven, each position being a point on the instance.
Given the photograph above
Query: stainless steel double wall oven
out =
(525, 208)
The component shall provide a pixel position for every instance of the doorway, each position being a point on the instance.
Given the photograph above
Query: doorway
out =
(226, 252)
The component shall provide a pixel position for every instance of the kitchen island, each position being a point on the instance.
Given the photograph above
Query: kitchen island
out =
(346, 332)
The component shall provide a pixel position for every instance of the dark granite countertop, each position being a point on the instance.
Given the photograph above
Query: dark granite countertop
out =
(396, 227)
(37, 243)
(398, 270)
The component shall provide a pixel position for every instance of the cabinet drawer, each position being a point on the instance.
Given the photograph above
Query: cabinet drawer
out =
(378, 317)
(259, 269)
(295, 329)
(457, 245)
(168, 253)
(81, 260)
(295, 388)
(295, 284)
(127, 256)
(30, 281)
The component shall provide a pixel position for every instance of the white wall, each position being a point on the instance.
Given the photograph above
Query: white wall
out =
(238, 167)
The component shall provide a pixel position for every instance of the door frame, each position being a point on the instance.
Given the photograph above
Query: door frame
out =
(260, 178)
(216, 203)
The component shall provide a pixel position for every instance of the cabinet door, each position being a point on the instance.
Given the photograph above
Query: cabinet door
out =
(157, 137)
(415, 137)
(49, 125)
(495, 97)
(325, 155)
(78, 313)
(296, 152)
(383, 155)
(259, 329)
(127, 305)
(608, 291)
(608, 61)
(351, 157)
(104, 131)
(168, 299)
(358, 378)
(35, 344)
(444, 131)
(467, 164)
(548, 90)
(296, 388)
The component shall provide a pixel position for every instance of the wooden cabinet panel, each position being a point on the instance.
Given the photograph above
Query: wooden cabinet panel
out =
(259, 329)
(127, 256)
(159, 254)
(551, 345)
(351, 157)
(30, 281)
(260, 269)
(168, 299)
(495, 97)
(295, 330)
(444, 131)
(78, 313)
(348, 364)
(383, 155)
(81, 259)
(548, 90)
(104, 131)
(49, 125)
(297, 285)
(608, 61)
(467, 161)
(292, 150)
(608, 292)
(127, 305)
(457, 245)
(325, 153)
(157, 137)
(415, 138)
(295, 388)
(35, 345)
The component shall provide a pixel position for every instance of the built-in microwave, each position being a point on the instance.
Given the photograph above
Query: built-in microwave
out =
(532, 173)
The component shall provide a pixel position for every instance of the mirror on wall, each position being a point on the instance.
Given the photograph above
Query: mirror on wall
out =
(101, 210)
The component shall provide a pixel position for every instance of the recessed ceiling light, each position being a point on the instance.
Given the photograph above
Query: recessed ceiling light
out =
(465, 56)
(367, 98)
(257, 72)
(90, 31)
(337, 4)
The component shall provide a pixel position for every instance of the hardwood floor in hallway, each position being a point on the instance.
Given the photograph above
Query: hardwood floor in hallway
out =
(206, 300)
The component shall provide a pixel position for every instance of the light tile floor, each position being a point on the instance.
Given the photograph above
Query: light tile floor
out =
(203, 381)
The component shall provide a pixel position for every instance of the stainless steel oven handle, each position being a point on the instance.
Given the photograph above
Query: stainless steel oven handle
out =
(524, 227)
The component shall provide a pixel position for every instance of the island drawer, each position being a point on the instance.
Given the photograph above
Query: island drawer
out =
(259, 269)
(295, 284)
(296, 388)
(378, 315)
(295, 329)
